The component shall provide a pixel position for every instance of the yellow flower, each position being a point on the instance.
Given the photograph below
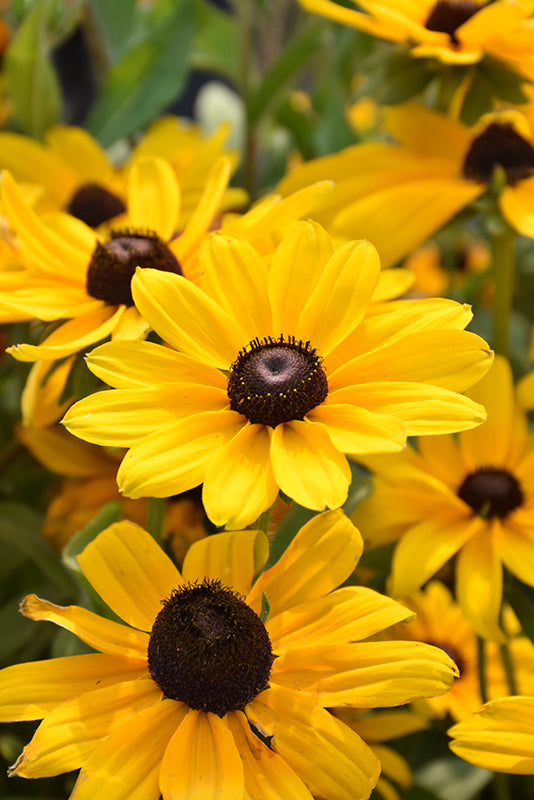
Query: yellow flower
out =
(440, 621)
(473, 497)
(500, 737)
(73, 173)
(439, 271)
(399, 195)
(195, 693)
(282, 370)
(451, 31)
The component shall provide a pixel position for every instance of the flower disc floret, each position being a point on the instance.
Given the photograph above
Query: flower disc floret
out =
(499, 145)
(491, 492)
(114, 262)
(94, 204)
(447, 16)
(276, 380)
(209, 649)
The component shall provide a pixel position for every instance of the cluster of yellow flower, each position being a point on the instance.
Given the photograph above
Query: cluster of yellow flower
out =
(256, 360)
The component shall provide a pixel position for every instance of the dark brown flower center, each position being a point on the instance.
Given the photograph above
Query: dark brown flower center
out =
(491, 492)
(276, 380)
(209, 649)
(447, 16)
(114, 262)
(499, 145)
(94, 205)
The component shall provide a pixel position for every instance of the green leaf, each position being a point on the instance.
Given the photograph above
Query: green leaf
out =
(451, 779)
(109, 514)
(216, 47)
(522, 605)
(31, 80)
(265, 607)
(146, 78)
(115, 23)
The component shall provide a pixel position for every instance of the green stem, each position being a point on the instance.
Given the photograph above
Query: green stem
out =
(503, 255)
(244, 12)
(508, 664)
(262, 523)
(501, 787)
(156, 517)
(481, 644)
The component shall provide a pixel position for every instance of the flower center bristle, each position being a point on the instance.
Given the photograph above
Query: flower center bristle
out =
(114, 262)
(276, 380)
(447, 16)
(491, 492)
(209, 649)
(499, 145)
(94, 205)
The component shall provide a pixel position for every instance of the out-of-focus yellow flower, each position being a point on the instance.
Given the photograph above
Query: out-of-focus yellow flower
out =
(435, 278)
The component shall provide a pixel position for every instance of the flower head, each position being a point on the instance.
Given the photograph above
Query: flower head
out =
(199, 689)
(473, 497)
(282, 369)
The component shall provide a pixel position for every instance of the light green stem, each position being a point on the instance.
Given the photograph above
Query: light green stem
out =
(503, 255)
(482, 669)
(156, 517)
(508, 664)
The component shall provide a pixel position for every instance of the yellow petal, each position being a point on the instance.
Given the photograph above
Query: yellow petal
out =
(322, 555)
(100, 633)
(239, 483)
(357, 430)
(345, 615)
(267, 776)
(307, 466)
(130, 572)
(27, 159)
(327, 755)
(126, 765)
(341, 296)
(517, 553)
(479, 584)
(233, 558)
(229, 262)
(81, 151)
(153, 196)
(74, 335)
(186, 317)
(30, 691)
(201, 761)
(132, 365)
(296, 266)
(70, 733)
(428, 133)
(65, 455)
(175, 459)
(131, 326)
(366, 675)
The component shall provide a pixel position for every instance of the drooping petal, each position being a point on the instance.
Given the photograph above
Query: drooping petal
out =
(267, 776)
(130, 572)
(307, 466)
(235, 276)
(367, 674)
(186, 317)
(353, 429)
(479, 583)
(174, 459)
(239, 483)
(345, 615)
(102, 634)
(70, 733)
(426, 547)
(153, 196)
(30, 691)
(327, 755)
(233, 558)
(126, 765)
(201, 761)
(322, 555)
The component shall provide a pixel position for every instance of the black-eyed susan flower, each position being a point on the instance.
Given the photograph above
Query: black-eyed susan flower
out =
(281, 370)
(438, 167)
(454, 32)
(72, 172)
(440, 621)
(197, 694)
(500, 737)
(472, 496)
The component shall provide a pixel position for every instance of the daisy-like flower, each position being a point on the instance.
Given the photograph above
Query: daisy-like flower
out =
(450, 31)
(282, 369)
(473, 496)
(440, 621)
(500, 737)
(195, 693)
(72, 172)
(438, 168)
